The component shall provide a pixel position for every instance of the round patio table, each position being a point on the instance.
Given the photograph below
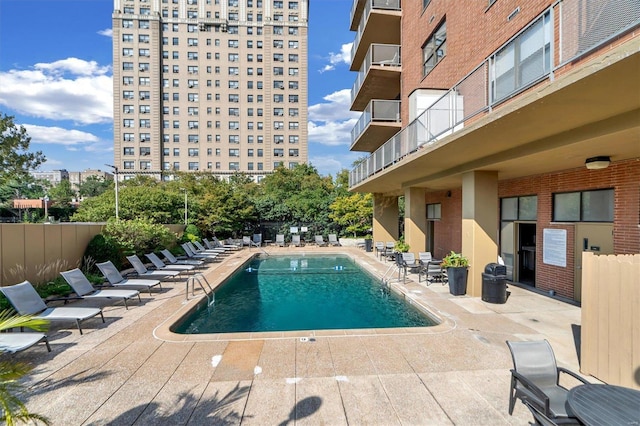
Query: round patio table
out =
(605, 405)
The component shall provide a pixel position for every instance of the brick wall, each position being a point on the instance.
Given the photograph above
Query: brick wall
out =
(623, 177)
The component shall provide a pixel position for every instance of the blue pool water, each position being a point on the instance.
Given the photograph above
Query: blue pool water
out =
(284, 293)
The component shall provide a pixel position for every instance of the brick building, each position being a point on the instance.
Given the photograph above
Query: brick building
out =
(511, 128)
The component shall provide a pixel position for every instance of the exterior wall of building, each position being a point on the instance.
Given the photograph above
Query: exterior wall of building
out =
(623, 177)
(214, 100)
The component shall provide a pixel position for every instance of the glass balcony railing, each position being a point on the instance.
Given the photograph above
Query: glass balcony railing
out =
(368, 7)
(378, 110)
(489, 84)
(378, 55)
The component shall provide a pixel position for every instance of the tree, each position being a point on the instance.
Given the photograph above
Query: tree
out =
(62, 194)
(93, 186)
(12, 409)
(354, 212)
(15, 159)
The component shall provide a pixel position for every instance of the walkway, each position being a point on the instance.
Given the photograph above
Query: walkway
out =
(119, 373)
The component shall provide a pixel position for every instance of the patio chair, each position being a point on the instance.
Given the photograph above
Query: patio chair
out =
(535, 381)
(191, 254)
(408, 261)
(425, 257)
(295, 240)
(85, 290)
(320, 242)
(280, 240)
(116, 279)
(257, 240)
(16, 342)
(161, 266)
(143, 272)
(379, 245)
(434, 273)
(26, 301)
(169, 257)
(333, 240)
(389, 250)
(246, 241)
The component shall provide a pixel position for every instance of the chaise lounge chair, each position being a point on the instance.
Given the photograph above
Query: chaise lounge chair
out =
(257, 240)
(535, 381)
(26, 301)
(197, 247)
(172, 260)
(320, 242)
(16, 342)
(280, 240)
(85, 290)
(333, 240)
(216, 243)
(295, 240)
(116, 279)
(143, 272)
(191, 254)
(161, 266)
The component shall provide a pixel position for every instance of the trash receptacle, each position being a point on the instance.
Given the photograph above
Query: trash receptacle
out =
(368, 245)
(494, 283)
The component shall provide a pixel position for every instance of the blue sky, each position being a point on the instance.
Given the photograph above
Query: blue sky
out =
(56, 73)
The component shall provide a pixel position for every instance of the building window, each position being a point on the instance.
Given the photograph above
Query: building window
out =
(519, 208)
(434, 49)
(584, 206)
(434, 211)
(523, 61)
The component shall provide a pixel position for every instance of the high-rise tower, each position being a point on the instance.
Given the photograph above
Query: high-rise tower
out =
(214, 85)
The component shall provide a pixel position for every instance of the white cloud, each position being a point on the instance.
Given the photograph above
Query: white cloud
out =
(331, 165)
(59, 136)
(107, 33)
(330, 123)
(344, 56)
(69, 89)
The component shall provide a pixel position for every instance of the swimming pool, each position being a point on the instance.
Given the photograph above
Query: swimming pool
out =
(303, 292)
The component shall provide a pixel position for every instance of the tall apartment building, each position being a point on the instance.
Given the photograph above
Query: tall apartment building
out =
(210, 85)
(510, 127)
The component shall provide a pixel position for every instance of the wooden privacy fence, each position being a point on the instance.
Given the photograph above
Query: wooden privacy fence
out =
(610, 348)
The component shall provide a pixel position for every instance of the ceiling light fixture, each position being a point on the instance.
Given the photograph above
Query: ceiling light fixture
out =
(597, 163)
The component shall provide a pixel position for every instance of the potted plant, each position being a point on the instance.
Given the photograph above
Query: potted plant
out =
(368, 243)
(457, 267)
(401, 246)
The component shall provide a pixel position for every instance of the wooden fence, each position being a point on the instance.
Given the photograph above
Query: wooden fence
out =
(610, 348)
(39, 251)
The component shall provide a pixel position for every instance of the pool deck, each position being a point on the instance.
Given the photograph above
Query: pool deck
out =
(133, 370)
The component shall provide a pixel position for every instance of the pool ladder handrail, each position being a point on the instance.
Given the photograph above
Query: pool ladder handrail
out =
(254, 244)
(387, 280)
(197, 278)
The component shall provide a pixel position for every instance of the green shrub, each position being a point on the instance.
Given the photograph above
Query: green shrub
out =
(138, 236)
(101, 249)
(191, 234)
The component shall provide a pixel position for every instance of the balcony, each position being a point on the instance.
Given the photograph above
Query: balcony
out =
(376, 21)
(379, 122)
(379, 76)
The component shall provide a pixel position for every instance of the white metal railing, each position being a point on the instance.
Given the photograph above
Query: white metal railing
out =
(380, 55)
(592, 24)
(376, 110)
(369, 5)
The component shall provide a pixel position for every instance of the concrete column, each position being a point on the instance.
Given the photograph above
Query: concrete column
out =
(385, 218)
(415, 219)
(479, 224)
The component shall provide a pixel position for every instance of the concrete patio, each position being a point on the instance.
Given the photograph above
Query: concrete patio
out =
(133, 370)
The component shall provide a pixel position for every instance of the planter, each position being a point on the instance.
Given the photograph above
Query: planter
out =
(368, 245)
(457, 280)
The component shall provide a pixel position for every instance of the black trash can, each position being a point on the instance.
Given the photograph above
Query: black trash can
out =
(494, 283)
(368, 246)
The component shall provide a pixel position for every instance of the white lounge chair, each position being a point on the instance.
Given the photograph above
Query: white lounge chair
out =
(280, 240)
(85, 290)
(295, 240)
(197, 247)
(143, 272)
(161, 266)
(169, 257)
(246, 241)
(116, 279)
(26, 301)
(16, 342)
(333, 240)
(191, 254)
(320, 242)
(216, 243)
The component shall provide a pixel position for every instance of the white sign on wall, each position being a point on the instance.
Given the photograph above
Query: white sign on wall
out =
(554, 247)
